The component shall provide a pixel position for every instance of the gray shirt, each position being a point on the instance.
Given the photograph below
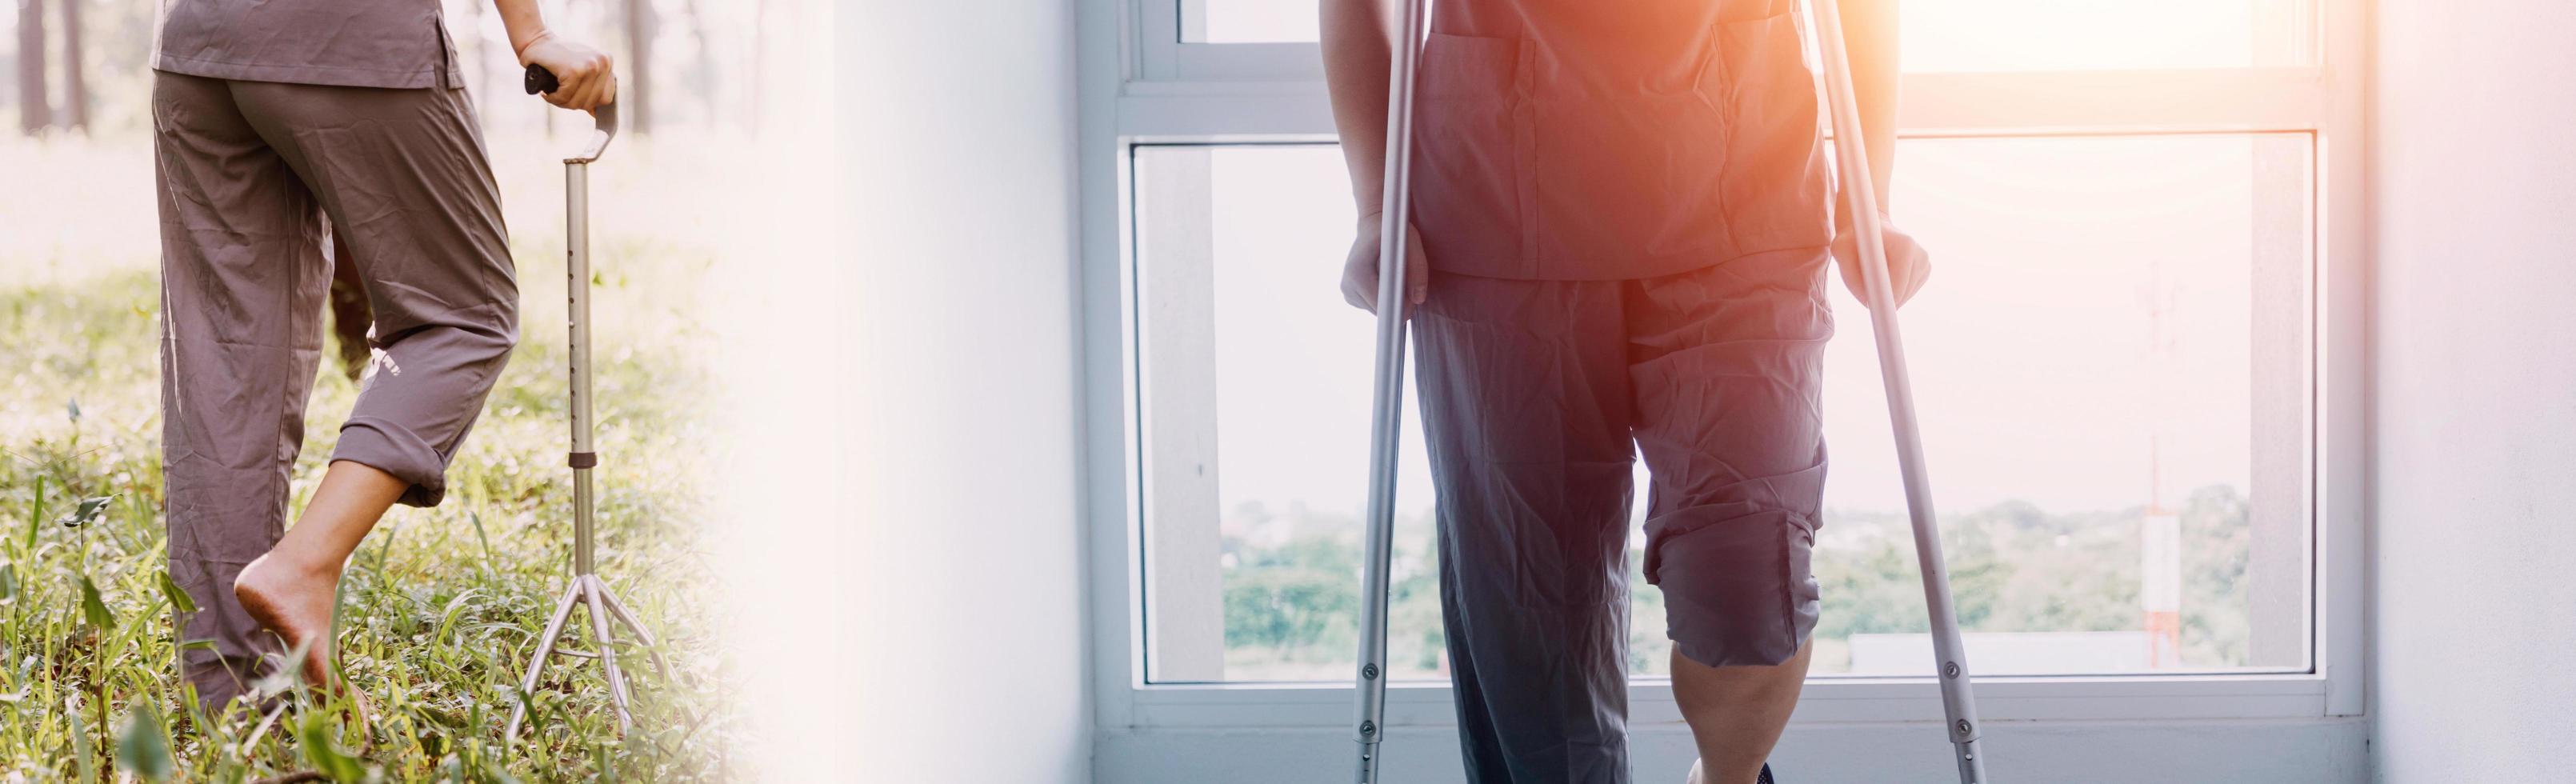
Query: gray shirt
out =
(354, 43)
(1615, 140)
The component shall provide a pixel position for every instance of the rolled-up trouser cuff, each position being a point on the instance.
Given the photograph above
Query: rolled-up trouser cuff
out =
(1739, 590)
(394, 449)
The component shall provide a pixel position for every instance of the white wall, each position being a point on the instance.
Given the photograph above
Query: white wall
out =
(2475, 391)
(907, 565)
(963, 124)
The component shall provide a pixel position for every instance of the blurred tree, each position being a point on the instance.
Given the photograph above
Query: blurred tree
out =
(2014, 567)
(75, 86)
(35, 110)
(1297, 595)
(2218, 547)
(636, 90)
(702, 76)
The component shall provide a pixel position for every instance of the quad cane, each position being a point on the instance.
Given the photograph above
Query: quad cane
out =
(1405, 52)
(1958, 705)
(586, 587)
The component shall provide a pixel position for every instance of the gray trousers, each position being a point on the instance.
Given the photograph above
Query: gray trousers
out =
(248, 172)
(1536, 396)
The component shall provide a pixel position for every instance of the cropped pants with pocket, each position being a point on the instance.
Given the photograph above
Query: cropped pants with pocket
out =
(1536, 395)
(248, 172)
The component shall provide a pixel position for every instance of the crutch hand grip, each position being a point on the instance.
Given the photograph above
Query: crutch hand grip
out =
(603, 119)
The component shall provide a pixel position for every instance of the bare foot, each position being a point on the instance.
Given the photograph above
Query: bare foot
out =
(295, 602)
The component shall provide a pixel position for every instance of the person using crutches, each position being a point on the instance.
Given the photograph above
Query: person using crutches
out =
(1619, 229)
(268, 117)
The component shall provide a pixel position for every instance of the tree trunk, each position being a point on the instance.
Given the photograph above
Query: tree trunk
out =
(707, 78)
(75, 85)
(636, 89)
(35, 111)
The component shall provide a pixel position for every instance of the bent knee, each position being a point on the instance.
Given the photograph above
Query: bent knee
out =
(492, 329)
(1739, 591)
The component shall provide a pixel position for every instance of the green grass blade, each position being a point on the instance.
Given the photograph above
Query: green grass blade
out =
(94, 608)
(144, 746)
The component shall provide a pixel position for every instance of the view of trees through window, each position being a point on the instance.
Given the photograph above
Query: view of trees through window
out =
(1291, 601)
(2113, 326)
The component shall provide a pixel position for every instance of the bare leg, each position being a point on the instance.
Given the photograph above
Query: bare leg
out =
(1736, 713)
(290, 590)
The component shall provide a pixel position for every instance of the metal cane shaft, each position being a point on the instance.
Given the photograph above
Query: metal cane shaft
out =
(577, 310)
(1861, 198)
(1386, 402)
(585, 588)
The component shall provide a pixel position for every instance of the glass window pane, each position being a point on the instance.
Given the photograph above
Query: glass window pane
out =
(2108, 365)
(1959, 35)
(1256, 423)
(2109, 362)
(2050, 35)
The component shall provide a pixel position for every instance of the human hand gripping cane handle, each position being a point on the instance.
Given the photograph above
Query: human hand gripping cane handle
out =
(1404, 53)
(603, 119)
(1861, 198)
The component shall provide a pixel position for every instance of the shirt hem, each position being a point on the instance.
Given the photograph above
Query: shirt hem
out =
(1566, 270)
(336, 76)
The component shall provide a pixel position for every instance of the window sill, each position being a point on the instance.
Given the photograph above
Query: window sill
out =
(1826, 701)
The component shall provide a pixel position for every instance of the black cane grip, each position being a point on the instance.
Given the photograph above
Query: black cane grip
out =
(540, 80)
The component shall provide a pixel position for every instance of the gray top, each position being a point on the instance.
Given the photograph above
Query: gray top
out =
(354, 43)
(1598, 140)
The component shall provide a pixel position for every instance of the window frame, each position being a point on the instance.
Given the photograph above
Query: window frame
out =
(1140, 88)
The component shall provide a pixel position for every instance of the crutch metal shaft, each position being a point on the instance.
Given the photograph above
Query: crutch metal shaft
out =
(1386, 401)
(1860, 197)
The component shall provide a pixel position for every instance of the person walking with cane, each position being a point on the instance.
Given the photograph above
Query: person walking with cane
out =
(1620, 222)
(271, 121)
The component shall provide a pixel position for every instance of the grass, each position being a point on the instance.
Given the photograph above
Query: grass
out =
(440, 607)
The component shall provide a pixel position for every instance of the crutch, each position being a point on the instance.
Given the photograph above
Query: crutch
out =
(1404, 53)
(1859, 196)
(586, 588)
